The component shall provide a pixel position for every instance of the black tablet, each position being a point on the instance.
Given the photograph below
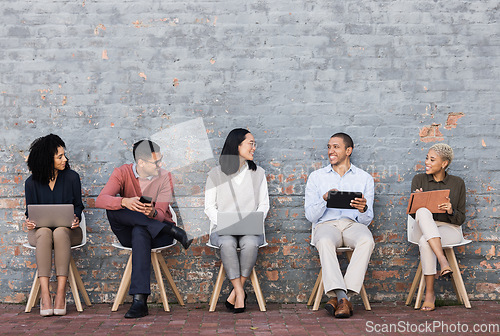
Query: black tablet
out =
(342, 199)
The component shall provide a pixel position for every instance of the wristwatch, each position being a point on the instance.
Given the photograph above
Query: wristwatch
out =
(365, 208)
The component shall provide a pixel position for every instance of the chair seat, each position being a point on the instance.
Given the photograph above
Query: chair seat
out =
(153, 250)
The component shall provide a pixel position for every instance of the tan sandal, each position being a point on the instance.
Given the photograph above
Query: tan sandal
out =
(446, 272)
(428, 306)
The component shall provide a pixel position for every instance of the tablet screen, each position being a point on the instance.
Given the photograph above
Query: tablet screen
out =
(342, 199)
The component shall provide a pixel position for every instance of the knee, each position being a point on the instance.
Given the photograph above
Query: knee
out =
(61, 233)
(366, 241)
(422, 213)
(228, 244)
(324, 243)
(249, 243)
(43, 234)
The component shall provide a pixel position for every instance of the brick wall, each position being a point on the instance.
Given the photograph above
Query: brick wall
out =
(396, 75)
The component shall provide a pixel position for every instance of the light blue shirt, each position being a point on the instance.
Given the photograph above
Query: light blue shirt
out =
(324, 179)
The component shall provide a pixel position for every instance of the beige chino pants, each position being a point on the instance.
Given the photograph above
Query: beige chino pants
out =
(426, 229)
(328, 236)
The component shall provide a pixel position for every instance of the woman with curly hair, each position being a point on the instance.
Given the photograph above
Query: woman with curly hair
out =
(52, 182)
(436, 229)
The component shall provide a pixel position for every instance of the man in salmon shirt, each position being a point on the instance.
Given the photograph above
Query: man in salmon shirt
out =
(137, 223)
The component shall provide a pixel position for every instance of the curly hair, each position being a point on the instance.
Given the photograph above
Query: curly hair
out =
(444, 151)
(41, 157)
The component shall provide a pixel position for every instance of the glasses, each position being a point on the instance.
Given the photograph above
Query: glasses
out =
(253, 144)
(156, 163)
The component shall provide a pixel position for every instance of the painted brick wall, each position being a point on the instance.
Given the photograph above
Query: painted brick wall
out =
(396, 75)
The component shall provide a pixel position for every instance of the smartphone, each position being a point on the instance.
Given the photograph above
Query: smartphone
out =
(145, 199)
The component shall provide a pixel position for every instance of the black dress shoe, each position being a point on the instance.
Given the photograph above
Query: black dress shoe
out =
(139, 306)
(181, 236)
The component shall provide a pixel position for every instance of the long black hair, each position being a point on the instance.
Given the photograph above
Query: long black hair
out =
(229, 157)
(41, 157)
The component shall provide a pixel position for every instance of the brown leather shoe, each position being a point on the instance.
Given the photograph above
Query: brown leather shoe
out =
(344, 309)
(331, 306)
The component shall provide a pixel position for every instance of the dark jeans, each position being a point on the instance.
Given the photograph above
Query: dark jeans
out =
(141, 233)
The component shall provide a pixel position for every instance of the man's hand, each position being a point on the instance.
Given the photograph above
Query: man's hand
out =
(325, 196)
(419, 190)
(133, 204)
(149, 210)
(359, 203)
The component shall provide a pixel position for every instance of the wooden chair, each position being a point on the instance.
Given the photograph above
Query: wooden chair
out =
(222, 275)
(75, 280)
(418, 280)
(318, 289)
(159, 266)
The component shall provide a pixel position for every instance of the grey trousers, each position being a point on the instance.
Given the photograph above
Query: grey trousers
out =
(238, 266)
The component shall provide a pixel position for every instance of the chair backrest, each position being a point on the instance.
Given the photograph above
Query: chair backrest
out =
(83, 226)
(413, 231)
(174, 215)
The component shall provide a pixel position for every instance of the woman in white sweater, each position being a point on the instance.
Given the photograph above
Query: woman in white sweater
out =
(237, 185)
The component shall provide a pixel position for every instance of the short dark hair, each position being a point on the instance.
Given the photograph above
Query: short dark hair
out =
(229, 157)
(143, 149)
(41, 157)
(346, 138)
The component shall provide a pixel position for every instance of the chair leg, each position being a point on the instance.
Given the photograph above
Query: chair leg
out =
(364, 297)
(124, 284)
(457, 276)
(315, 289)
(79, 283)
(159, 280)
(217, 288)
(420, 293)
(457, 293)
(319, 292)
(74, 290)
(34, 292)
(414, 284)
(164, 268)
(258, 290)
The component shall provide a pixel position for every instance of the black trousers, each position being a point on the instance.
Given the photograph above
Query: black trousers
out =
(141, 233)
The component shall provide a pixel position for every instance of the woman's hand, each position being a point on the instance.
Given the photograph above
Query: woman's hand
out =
(419, 190)
(75, 223)
(28, 224)
(446, 206)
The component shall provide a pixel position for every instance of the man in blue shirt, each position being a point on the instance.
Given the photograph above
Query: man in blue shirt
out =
(333, 228)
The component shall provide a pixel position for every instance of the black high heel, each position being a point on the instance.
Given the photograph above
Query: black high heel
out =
(241, 310)
(229, 305)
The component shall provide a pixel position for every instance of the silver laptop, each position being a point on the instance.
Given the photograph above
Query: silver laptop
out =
(51, 215)
(240, 223)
